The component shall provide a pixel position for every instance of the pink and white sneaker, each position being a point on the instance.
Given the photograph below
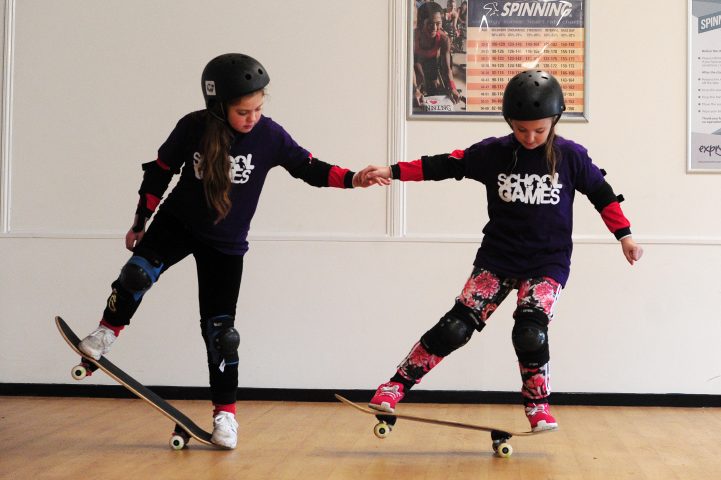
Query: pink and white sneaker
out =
(387, 396)
(539, 415)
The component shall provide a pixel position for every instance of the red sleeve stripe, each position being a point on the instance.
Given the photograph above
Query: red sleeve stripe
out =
(614, 218)
(457, 154)
(336, 176)
(411, 171)
(162, 164)
(151, 202)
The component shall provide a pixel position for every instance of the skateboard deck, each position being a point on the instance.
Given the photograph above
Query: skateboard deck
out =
(386, 420)
(185, 427)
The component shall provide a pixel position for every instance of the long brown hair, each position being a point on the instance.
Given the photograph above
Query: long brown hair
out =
(551, 153)
(215, 167)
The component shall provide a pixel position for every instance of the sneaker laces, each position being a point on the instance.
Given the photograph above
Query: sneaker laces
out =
(101, 333)
(536, 408)
(225, 421)
(391, 390)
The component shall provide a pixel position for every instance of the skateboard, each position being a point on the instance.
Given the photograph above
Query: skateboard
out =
(185, 428)
(386, 421)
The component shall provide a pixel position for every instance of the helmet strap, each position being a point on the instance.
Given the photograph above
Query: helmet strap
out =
(222, 116)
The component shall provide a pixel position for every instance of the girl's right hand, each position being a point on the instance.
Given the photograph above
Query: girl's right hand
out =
(370, 176)
(377, 173)
(132, 238)
(631, 250)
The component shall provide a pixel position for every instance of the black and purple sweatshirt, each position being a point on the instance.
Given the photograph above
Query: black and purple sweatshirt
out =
(530, 214)
(251, 157)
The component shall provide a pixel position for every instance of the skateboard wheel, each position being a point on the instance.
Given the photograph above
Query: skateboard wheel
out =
(382, 430)
(178, 441)
(79, 372)
(503, 450)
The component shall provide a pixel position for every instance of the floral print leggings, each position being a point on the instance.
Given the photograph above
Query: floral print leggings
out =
(483, 292)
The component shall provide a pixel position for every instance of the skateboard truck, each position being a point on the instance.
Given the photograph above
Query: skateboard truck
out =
(179, 438)
(384, 426)
(83, 369)
(501, 447)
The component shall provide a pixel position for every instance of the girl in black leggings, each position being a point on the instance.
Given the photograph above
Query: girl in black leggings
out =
(223, 154)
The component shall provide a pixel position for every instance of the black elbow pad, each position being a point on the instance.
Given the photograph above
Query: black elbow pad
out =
(439, 167)
(155, 179)
(314, 172)
(603, 196)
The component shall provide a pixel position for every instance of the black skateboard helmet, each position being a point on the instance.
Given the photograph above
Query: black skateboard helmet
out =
(533, 95)
(230, 76)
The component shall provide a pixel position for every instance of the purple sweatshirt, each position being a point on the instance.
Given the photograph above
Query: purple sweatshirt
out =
(530, 214)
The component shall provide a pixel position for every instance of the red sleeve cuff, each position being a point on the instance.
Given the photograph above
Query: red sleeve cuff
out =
(614, 218)
(339, 177)
(411, 171)
(162, 164)
(151, 202)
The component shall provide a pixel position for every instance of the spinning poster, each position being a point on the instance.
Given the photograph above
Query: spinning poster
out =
(465, 52)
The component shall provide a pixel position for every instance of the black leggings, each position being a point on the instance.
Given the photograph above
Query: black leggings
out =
(168, 241)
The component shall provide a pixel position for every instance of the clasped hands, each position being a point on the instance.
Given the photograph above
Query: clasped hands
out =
(372, 175)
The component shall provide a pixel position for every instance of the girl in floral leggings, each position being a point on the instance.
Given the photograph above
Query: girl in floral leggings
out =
(531, 177)
(482, 294)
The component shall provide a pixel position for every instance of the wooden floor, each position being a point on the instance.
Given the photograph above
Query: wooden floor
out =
(78, 438)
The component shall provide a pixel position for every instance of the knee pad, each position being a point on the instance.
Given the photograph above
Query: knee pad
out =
(452, 331)
(222, 339)
(135, 278)
(530, 337)
(139, 274)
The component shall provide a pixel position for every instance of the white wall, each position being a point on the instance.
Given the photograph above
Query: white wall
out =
(338, 285)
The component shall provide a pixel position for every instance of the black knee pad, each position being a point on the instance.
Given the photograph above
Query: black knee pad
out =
(136, 277)
(530, 337)
(222, 339)
(452, 331)
(139, 274)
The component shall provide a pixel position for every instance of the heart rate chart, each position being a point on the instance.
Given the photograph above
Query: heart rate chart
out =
(502, 38)
(517, 36)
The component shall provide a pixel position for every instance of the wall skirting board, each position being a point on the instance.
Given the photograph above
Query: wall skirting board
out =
(326, 395)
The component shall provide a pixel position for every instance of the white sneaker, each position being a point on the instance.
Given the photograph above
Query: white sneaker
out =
(225, 430)
(98, 342)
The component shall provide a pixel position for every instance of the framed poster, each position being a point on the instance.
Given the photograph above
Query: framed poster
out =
(704, 86)
(463, 52)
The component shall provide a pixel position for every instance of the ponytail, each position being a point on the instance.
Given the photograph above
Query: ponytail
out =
(551, 153)
(215, 167)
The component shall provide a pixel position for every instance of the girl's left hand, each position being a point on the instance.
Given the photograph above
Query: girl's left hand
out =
(368, 177)
(631, 250)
